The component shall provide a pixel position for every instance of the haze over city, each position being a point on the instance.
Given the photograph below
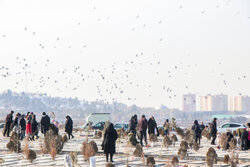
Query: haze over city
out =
(146, 53)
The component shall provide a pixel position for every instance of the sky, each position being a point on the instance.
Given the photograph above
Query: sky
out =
(142, 52)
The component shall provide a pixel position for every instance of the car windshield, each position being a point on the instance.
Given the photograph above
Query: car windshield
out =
(234, 125)
(225, 126)
(118, 126)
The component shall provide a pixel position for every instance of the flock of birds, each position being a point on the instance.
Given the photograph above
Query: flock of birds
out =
(112, 80)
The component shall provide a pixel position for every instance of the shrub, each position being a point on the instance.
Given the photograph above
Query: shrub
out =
(14, 144)
(74, 159)
(167, 142)
(226, 159)
(89, 150)
(109, 164)
(138, 152)
(132, 140)
(150, 161)
(211, 157)
(153, 138)
(196, 147)
(175, 161)
(31, 155)
(64, 138)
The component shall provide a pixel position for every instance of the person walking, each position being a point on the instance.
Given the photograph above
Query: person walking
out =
(22, 124)
(45, 123)
(142, 125)
(166, 127)
(16, 127)
(197, 132)
(213, 131)
(28, 129)
(8, 122)
(34, 128)
(109, 140)
(133, 125)
(69, 126)
(152, 126)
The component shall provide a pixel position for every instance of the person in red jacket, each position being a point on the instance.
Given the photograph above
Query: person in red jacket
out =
(28, 128)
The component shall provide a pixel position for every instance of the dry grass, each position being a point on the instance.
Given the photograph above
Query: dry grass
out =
(234, 159)
(223, 141)
(196, 147)
(161, 132)
(226, 159)
(1, 161)
(64, 138)
(182, 152)
(138, 151)
(167, 142)
(74, 159)
(131, 140)
(14, 144)
(233, 144)
(109, 164)
(206, 134)
(211, 157)
(29, 154)
(175, 161)
(52, 140)
(150, 161)
(99, 133)
(153, 138)
(89, 150)
(53, 150)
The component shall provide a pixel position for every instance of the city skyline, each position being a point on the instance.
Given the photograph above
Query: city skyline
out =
(216, 102)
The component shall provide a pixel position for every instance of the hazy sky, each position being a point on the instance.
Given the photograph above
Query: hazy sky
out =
(138, 52)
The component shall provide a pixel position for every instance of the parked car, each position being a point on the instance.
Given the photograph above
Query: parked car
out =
(230, 126)
(98, 126)
(2, 125)
(121, 125)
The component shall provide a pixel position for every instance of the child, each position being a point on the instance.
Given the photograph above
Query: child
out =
(28, 129)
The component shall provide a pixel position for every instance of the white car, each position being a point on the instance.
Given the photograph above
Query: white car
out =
(230, 126)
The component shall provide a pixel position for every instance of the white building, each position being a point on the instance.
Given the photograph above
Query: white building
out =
(189, 102)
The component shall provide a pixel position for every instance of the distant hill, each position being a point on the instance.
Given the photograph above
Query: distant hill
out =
(78, 110)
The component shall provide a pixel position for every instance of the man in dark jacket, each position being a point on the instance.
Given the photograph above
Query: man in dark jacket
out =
(133, 124)
(34, 128)
(8, 121)
(213, 131)
(69, 126)
(45, 123)
(197, 132)
(22, 124)
(152, 126)
(142, 124)
(244, 140)
(202, 126)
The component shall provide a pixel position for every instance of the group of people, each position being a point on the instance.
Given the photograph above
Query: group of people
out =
(142, 126)
(22, 124)
(27, 125)
(243, 136)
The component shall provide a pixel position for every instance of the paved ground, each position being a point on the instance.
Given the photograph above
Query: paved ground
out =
(162, 155)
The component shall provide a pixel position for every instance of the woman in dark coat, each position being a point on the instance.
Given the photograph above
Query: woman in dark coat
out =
(69, 126)
(197, 132)
(34, 128)
(152, 126)
(108, 144)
